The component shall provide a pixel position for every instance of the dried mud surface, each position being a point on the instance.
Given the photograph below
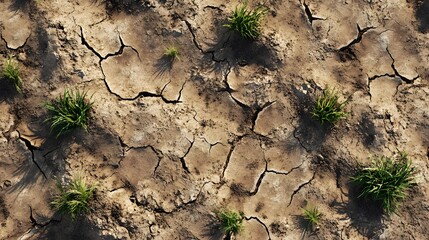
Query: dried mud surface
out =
(227, 125)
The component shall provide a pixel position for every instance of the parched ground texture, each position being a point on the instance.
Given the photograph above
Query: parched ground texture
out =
(225, 126)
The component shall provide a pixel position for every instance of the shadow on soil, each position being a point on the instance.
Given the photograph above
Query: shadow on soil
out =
(310, 132)
(49, 60)
(365, 215)
(48, 161)
(41, 48)
(66, 229)
(7, 91)
(41, 163)
(231, 50)
(423, 16)
(307, 231)
(213, 231)
(163, 66)
(28, 174)
(19, 5)
(4, 212)
(126, 6)
(368, 131)
(304, 225)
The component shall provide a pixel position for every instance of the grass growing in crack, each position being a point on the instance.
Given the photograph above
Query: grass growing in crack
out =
(386, 181)
(12, 73)
(327, 108)
(312, 215)
(246, 22)
(74, 198)
(69, 111)
(231, 221)
(172, 53)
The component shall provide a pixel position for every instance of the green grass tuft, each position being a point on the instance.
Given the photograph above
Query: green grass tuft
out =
(312, 215)
(246, 22)
(172, 52)
(69, 111)
(386, 181)
(12, 73)
(74, 197)
(232, 222)
(327, 107)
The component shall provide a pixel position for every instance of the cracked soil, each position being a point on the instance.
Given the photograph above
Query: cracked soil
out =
(227, 125)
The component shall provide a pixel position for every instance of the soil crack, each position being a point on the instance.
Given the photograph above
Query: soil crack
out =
(299, 140)
(143, 93)
(102, 20)
(197, 45)
(260, 222)
(125, 148)
(119, 52)
(266, 170)
(211, 144)
(231, 150)
(337, 181)
(194, 37)
(182, 159)
(371, 79)
(159, 209)
(403, 78)
(92, 49)
(309, 14)
(258, 183)
(86, 44)
(18, 47)
(37, 224)
(257, 111)
(31, 148)
(300, 187)
(212, 7)
(379, 76)
(253, 111)
(358, 38)
(285, 173)
(153, 95)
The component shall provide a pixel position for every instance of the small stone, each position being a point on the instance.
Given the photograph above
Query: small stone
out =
(79, 72)
(176, 33)
(14, 135)
(22, 56)
(164, 32)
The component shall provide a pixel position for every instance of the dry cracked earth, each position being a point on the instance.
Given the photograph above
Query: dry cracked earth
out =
(226, 126)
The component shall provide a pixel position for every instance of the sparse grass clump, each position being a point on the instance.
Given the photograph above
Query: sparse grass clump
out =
(12, 73)
(312, 215)
(246, 22)
(328, 108)
(172, 52)
(231, 221)
(69, 111)
(74, 198)
(386, 181)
